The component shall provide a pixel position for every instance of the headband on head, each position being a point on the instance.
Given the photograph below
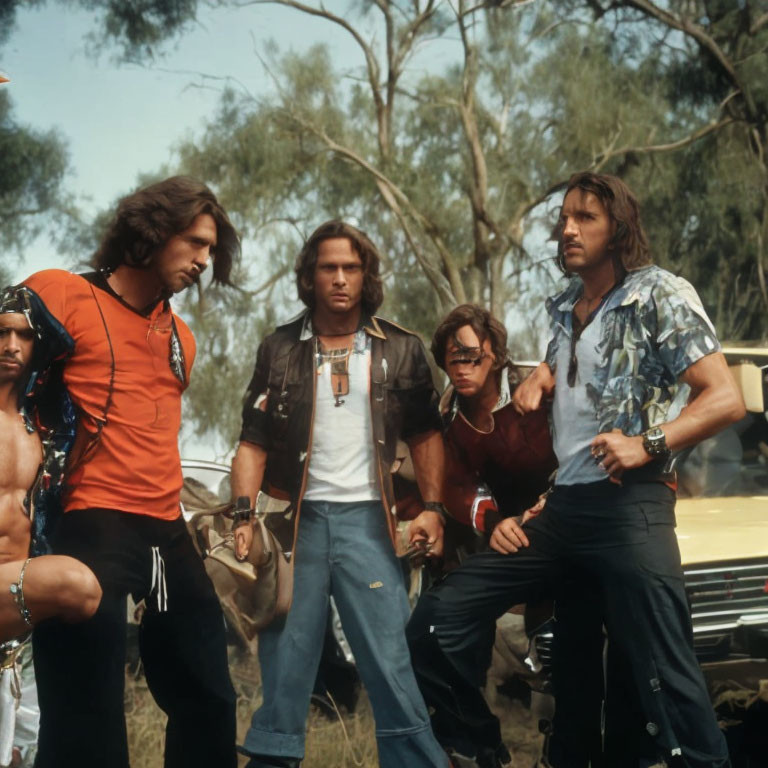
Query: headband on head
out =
(14, 300)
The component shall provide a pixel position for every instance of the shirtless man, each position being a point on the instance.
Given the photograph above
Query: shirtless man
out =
(30, 589)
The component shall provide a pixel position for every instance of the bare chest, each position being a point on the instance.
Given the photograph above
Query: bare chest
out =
(20, 455)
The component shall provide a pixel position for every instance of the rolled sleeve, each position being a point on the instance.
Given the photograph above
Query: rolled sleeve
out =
(256, 418)
(684, 333)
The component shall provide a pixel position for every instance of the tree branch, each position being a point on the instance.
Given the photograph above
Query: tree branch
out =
(759, 24)
(372, 65)
(265, 286)
(395, 194)
(692, 30)
(601, 159)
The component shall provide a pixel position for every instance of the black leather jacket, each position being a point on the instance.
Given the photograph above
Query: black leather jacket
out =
(404, 402)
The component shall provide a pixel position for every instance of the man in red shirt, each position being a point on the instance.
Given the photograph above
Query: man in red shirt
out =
(130, 362)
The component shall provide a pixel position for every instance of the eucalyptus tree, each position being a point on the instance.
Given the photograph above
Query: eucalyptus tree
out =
(710, 206)
(449, 163)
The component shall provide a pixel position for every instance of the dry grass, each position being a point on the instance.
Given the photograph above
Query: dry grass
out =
(327, 746)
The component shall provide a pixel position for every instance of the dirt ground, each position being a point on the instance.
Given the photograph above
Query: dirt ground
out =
(330, 744)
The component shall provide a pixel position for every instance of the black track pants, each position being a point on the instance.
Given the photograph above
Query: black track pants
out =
(80, 668)
(622, 539)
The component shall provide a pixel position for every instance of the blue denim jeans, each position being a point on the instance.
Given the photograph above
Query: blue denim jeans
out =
(344, 550)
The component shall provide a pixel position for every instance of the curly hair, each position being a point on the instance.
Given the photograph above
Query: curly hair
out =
(373, 294)
(482, 322)
(146, 219)
(629, 244)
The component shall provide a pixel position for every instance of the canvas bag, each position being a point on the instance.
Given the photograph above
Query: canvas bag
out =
(252, 592)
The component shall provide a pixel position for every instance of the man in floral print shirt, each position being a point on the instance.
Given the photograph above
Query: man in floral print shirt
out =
(626, 337)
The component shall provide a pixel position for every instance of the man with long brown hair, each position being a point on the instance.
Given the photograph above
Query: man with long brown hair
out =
(129, 362)
(332, 392)
(626, 337)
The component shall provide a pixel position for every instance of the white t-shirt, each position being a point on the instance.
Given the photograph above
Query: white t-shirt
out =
(342, 465)
(574, 414)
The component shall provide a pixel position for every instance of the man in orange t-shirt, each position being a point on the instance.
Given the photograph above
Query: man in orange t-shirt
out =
(130, 363)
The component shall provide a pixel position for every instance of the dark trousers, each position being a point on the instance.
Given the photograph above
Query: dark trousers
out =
(622, 539)
(80, 668)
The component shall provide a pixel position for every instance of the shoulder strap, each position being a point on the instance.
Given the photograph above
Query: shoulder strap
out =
(101, 421)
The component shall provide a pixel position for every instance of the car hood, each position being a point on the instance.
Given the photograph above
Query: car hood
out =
(722, 529)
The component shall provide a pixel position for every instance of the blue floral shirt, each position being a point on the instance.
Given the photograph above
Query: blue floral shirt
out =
(653, 328)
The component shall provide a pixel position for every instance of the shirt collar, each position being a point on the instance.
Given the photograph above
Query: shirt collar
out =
(368, 324)
(505, 395)
(626, 293)
(450, 398)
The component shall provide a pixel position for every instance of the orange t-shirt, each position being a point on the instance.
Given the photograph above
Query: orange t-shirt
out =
(136, 466)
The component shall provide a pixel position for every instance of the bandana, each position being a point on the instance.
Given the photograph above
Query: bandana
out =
(14, 300)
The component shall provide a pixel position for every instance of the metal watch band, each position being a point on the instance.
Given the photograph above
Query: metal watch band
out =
(655, 442)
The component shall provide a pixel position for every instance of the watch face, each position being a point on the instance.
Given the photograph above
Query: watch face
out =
(655, 442)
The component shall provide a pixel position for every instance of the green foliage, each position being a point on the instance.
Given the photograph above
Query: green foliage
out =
(549, 99)
(32, 167)
(227, 330)
(138, 27)
(450, 167)
(706, 205)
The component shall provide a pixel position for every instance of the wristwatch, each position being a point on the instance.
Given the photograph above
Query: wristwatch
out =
(242, 512)
(436, 506)
(655, 443)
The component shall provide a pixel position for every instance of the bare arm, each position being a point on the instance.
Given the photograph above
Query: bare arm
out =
(538, 386)
(247, 475)
(714, 404)
(428, 456)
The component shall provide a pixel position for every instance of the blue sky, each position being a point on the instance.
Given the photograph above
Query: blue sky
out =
(122, 120)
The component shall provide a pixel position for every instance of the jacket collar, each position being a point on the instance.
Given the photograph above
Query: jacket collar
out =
(450, 404)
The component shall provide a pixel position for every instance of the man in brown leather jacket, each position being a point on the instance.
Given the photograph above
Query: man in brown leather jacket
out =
(332, 392)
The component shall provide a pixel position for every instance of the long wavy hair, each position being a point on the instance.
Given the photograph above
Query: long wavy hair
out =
(629, 244)
(146, 219)
(373, 294)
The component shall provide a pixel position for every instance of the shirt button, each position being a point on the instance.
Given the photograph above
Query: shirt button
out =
(652, 728)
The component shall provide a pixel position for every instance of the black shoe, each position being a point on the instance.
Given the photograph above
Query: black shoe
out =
(494, 758)
(458, 760)
(270, 761)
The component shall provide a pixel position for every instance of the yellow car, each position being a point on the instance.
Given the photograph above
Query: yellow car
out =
(722, 529)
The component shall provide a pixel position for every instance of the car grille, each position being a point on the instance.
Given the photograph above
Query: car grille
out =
(724, 598)
(539, 659)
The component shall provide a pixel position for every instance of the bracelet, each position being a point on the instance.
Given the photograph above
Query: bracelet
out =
(436, 506)
(241, 516)
(17, 590)
(243, 511)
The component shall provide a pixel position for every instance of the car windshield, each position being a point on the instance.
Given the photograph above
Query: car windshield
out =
(213, 477)
(732, 463)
